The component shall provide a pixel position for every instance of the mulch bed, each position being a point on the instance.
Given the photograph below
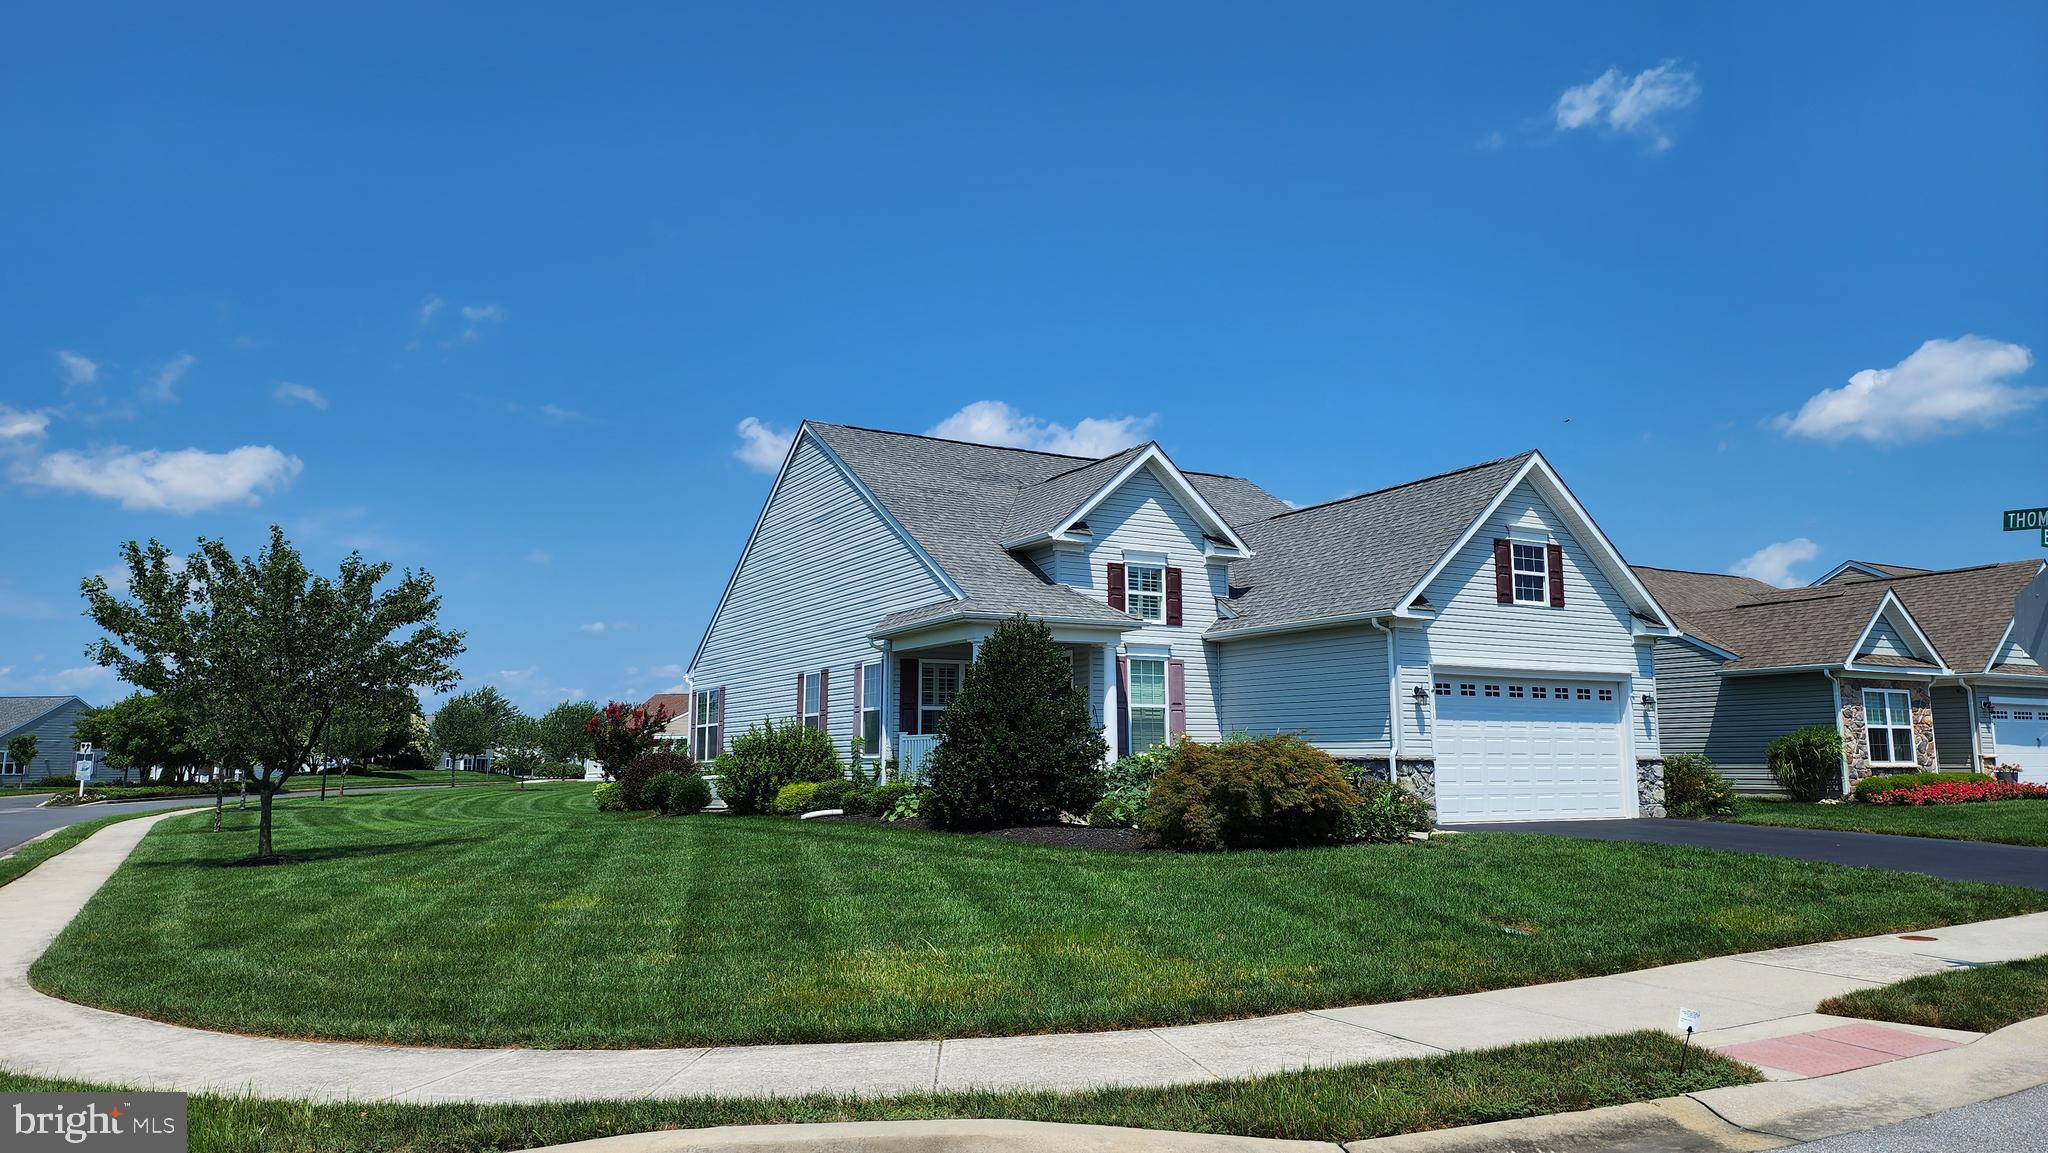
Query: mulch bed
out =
(1064, 836)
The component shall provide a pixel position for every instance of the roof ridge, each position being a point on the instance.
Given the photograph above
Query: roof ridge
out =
(1407, 483)
(1091, 463)
(1085, 460)
(1734, 576)
(1951, 571)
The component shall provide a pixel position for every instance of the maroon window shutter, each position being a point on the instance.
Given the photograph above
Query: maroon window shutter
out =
(1503, 572)
(1176, 698)
(1173, 596)
(906, 696)
(1556, 575)
(799, 698)
(718, 732)
(1123, 702)
(1116, 584)
(824, 699)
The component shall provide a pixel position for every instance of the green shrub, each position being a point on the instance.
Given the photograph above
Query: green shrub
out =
(689, 795)
(907, 806)
(831, 794)
(1696, 791)
(1385, 813)
(883, 798)
(644, 768)
(1125, 787)
(558, 771)
(610, 797)
(858, 802)
(656, 793)
(1115, 811)
(1271, 792)
(1870, 786)
(1019, 746)
(769, 756)
(794, 798)
(1807, 762)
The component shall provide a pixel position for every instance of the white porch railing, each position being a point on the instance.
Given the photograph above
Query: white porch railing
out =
(912, 753)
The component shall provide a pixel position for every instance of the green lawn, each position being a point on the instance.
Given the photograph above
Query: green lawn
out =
(2010, 822)
(1979, 1000)
(501, 917)
(386, 778)
(1341, 1104)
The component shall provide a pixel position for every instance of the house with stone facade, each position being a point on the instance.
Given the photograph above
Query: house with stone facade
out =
(1472, 634)
(1917, 668)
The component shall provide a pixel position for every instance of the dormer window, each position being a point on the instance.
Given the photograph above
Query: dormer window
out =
(1145, 591)
(1532, 573)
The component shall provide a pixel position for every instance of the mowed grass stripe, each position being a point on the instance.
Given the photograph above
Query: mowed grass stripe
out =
(489, 917)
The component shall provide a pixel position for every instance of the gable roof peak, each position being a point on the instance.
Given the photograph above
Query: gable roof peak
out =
(1516, 458)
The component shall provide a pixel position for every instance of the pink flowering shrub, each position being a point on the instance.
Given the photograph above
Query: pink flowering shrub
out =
(1960, 793)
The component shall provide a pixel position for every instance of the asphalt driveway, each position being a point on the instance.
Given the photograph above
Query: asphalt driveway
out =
(1954, 860)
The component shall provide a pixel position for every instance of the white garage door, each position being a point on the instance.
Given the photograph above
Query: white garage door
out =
(1513, 748)
(2020, 731)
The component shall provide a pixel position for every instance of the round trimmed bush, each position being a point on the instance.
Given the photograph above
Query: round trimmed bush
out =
(1269, 792)
(1807, 762)
(794, 799)
(1694, 790)
(688, 795)
(644, 768)
(858, 802)
(655, 793)
(831, 794)
(883, 798)
(609, 797)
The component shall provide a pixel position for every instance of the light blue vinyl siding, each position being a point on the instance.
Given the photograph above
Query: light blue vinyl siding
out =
(56, 747)
(1886, 640)
(1731, 719)
(1592, 633)
(1329, 685)
(820, 570)
(1142, 516)
(1411, 650)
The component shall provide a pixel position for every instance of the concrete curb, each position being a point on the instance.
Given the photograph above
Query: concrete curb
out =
(935, 1137)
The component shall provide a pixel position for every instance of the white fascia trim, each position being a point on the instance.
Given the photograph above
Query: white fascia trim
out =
(1858, 566)
(1602, 549)
(1892, 671)
(1891, 599)
(1561, 672)
(1176, 482)
(1829, 669)
(804, 433)
(2004, 638)
(2023, 702)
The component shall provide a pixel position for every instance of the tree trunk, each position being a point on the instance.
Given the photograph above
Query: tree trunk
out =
(220, 786)
(243, 804)
(263, 825)
(344, 780)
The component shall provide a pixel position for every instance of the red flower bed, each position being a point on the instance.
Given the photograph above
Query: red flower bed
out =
(1960, 793)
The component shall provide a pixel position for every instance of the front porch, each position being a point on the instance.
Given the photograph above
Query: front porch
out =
(924, 672)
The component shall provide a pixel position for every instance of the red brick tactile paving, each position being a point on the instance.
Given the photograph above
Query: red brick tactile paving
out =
(1835, 1050)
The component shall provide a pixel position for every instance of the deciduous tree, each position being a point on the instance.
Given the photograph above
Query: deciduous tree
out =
(564, 731)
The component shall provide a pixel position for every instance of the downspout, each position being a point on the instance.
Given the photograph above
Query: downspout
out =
(1393, 703)
(1837, 687)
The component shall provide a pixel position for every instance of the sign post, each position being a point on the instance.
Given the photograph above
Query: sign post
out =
(82, 769)
(1688, 1020)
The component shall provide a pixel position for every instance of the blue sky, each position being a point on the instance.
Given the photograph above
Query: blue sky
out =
(491, 290)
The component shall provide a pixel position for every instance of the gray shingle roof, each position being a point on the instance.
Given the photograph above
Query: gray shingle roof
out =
(19, 712)
(1358, 555)
(1042, 507)
(1963, 611)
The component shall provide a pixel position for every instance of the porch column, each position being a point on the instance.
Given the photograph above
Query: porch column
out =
(1109, 699)
(888, 707)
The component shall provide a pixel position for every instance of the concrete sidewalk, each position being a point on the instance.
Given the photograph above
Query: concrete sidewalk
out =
(1742, 998)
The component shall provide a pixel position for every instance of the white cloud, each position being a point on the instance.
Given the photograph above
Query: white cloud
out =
(762, 447)
(668, 670)
(560, 415)
(17, 426)
(592, 627)
(163, 386)
(540, 556)
(289, 393)
(76, 680)
(475, 312)
(601, 626)
(1944, 386)
(993, 422)
(1635, 106)
(1773, 563)
(184, 481)
(76, 369)
(428, 308)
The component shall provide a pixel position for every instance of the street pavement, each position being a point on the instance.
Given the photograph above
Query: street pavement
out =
(21, 820)
(2015, 1124)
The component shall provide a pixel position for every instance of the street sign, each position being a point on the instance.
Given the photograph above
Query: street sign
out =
(1688, 1020)
(82, 769)
(2030, 616)
(2026, 519)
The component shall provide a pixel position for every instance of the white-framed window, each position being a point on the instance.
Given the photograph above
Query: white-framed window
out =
(938, 682)
(1148, 703)
(7, 766)
(1467, 689)
(1585, 694)
(1531, 572)
(704, 726)
(1606, 694)
(1539, 692)
(1888, 726)
(813, 701)
(1515, 691)
(1493, 690)
(1145, 591)
(871, 709)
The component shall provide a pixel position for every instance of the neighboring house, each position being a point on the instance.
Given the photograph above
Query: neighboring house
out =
(1473, 634)
(52, 721)
(1916, 668)
(677, 730)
